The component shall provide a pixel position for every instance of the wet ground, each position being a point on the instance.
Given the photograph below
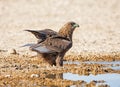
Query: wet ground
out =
(30, 71)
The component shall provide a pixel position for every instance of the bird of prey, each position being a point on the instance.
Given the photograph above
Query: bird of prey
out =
(52, 46)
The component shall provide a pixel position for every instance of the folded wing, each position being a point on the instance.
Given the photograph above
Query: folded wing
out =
(52, 45)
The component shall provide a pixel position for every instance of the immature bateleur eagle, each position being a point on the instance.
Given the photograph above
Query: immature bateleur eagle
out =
(52, 46)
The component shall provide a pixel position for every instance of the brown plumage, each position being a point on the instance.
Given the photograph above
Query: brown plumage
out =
(41, 35)
(54, 47)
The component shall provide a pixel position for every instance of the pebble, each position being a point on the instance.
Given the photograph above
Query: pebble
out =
(7, 76)
(12, 51)
(3, 50)
(34, 75)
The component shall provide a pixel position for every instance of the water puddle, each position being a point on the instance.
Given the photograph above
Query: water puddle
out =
(78, 75)
(91, 62)
(110, 79)
(101, 62)
(113, 80)
(115, 65)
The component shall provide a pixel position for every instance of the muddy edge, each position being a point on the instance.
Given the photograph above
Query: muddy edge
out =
(17, 70)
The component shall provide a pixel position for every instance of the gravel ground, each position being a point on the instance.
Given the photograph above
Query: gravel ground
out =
(99, 23)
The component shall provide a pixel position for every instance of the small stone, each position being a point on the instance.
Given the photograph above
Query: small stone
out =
(12, 51)
(3, 50)
(7, 76)
(35, 75)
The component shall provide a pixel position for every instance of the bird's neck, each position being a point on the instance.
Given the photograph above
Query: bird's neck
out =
(66, 32)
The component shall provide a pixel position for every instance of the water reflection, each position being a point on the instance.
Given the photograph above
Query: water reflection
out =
(110, 79)
(87, 80)
(70, 80)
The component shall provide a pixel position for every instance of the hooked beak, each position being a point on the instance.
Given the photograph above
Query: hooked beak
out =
(76, 25)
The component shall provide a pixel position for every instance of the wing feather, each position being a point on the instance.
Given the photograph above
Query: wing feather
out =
(51, 45)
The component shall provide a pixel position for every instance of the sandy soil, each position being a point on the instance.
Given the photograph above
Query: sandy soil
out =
(99, 23)
(97, 39)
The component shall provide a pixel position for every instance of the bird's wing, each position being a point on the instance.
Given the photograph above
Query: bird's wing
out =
(59, 44)
(48, 32)
(42, 33)
(41, 48)
(38, 34)
(51, 45)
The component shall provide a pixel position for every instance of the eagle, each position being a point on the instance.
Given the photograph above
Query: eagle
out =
(51, 45)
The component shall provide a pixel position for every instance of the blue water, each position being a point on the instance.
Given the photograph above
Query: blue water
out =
(111, 79)
(93, 62)
(114, 67)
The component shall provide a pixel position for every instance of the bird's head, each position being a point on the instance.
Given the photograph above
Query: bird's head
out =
(67, 29)
(71, 25)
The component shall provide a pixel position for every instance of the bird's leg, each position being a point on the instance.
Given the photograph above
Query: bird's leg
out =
(59, 60)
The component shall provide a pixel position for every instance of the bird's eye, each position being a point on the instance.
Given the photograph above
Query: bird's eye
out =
(50, 35)
(72, 24)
